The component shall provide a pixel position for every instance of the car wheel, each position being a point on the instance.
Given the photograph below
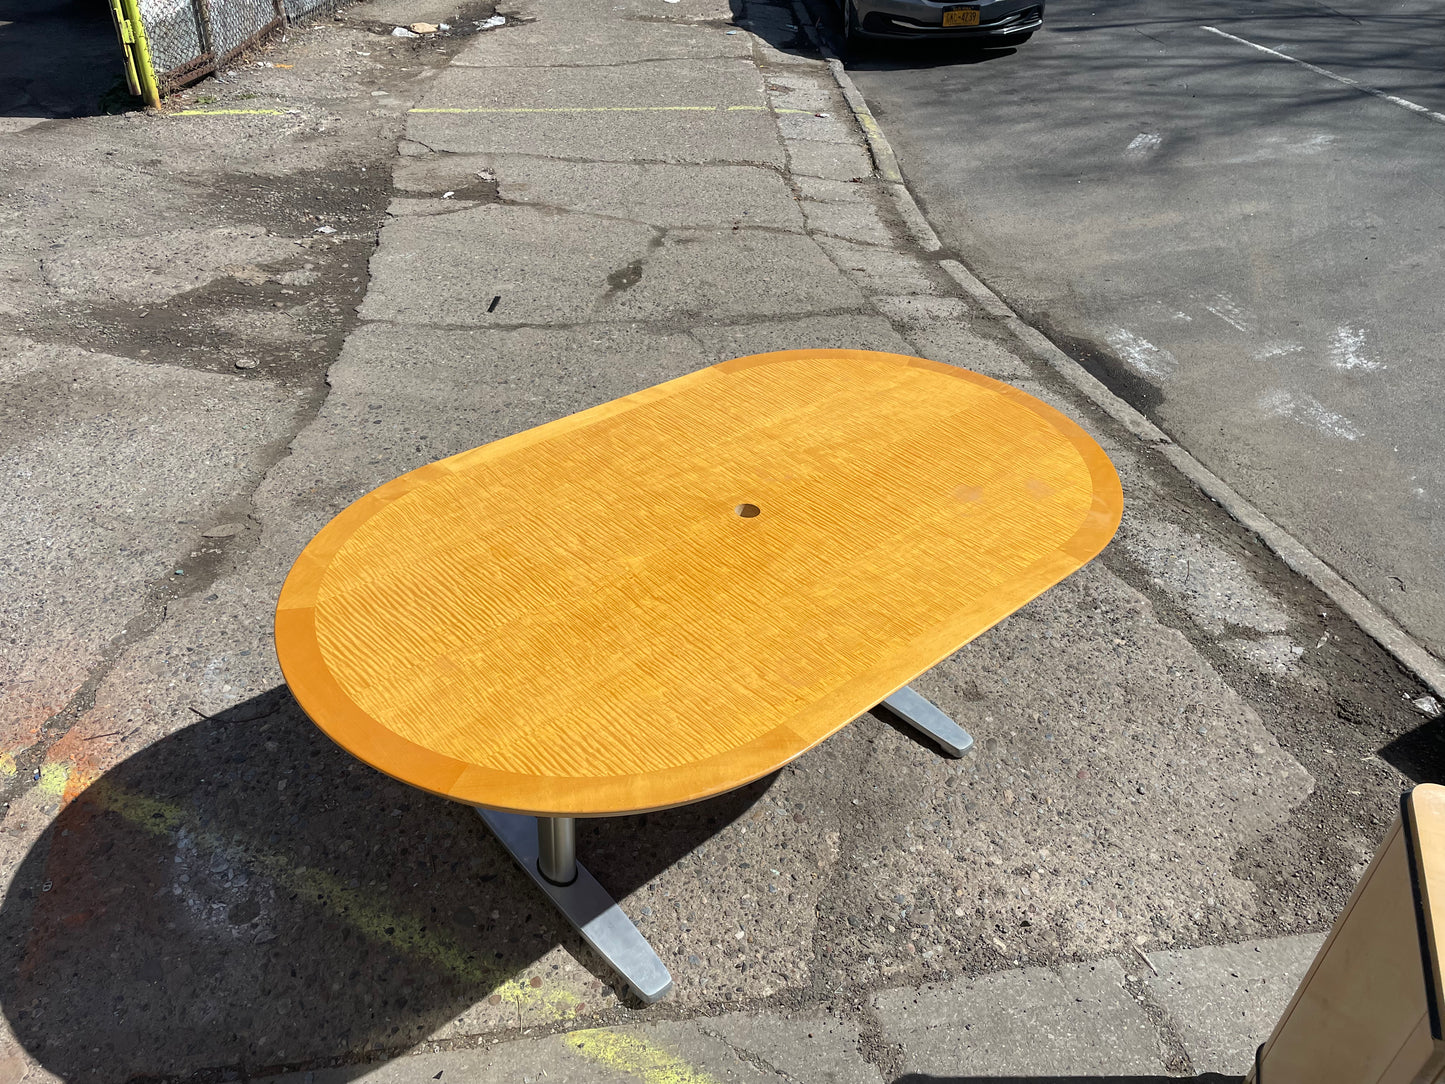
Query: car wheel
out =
(852, 32)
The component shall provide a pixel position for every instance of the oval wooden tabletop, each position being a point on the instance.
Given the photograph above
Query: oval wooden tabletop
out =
(672, 594)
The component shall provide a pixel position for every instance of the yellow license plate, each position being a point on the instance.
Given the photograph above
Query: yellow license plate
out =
(961, 17)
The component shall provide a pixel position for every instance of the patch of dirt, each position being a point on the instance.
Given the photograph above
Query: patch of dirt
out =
(1343, 713)
(282, 320)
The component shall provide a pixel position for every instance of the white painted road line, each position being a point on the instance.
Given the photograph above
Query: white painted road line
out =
(1403, 103)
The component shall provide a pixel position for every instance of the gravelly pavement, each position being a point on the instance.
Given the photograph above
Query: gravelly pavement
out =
(1181, 747)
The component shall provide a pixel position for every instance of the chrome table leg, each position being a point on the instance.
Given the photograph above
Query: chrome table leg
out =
(927, 719)
(546, 848)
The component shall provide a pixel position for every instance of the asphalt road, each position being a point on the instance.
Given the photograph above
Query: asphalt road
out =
(1239, 241)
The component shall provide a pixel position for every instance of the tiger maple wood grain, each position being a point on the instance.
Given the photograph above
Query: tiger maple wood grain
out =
(577, 619)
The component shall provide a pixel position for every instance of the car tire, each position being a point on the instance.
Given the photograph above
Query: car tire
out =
(853, 37)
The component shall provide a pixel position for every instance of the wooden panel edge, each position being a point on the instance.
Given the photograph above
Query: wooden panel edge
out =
(1424, 810)
(1395, 829)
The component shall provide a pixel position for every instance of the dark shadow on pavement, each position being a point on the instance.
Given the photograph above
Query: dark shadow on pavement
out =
(775, 23)
(58, 58)
(243, 895)
(1419, 754)
(913, 56)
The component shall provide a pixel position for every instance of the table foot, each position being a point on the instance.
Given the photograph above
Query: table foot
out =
(585, 904)
(928, 719)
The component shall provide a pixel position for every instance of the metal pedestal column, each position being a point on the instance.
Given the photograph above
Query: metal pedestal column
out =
(546, 848)
(557, 849)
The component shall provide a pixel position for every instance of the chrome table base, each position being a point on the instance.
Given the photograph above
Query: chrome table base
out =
(586, 905)
(927, 719)
(546, 848)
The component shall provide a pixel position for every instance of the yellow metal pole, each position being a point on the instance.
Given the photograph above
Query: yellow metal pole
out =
(127, 39)
(145, 70)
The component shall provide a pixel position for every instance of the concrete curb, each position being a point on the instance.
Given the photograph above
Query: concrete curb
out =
(1369, 617)
(877, 141)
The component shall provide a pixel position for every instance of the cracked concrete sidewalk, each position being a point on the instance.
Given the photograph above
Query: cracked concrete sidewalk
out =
(1166, 806)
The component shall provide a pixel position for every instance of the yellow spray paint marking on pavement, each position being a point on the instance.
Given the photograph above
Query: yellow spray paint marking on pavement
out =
(888, 173)
(360, 910)
(636, 1056)
(52, 780)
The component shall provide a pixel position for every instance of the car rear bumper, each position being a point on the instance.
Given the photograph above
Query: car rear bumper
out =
(924, 19)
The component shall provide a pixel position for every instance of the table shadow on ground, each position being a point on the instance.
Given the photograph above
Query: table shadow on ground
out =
(59, 58)
(245, 895)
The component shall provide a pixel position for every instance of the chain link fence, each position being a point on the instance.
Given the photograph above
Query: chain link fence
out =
(174, 42)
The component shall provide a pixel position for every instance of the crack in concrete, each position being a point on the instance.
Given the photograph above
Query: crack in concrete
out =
(578, 66)
(494, 156)
(230, 552)
(683, 324)
(557, 209)
(759, 163)
(744, 1055)
(1176, 1058)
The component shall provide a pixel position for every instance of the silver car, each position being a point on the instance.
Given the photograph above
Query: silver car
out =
(990, 22)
